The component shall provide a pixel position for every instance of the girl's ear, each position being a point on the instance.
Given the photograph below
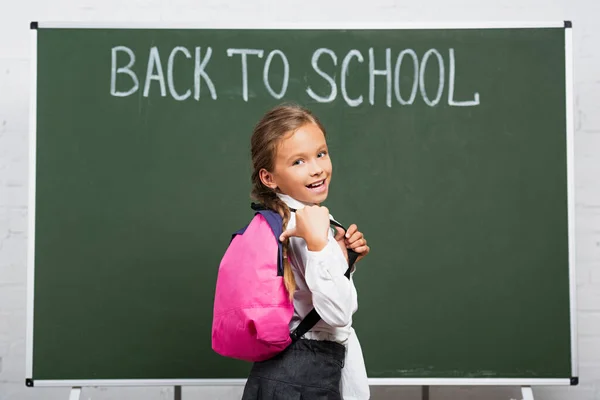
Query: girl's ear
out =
(267, 179)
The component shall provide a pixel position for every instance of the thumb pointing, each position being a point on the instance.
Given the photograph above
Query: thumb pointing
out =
(287, 234)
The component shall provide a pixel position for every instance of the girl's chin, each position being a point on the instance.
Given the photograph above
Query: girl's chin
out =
(316, 198)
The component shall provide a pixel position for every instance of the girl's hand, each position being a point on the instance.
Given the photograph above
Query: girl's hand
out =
(312, 225)
(355, 240)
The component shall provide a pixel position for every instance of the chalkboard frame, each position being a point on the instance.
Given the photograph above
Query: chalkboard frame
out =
(330, 26)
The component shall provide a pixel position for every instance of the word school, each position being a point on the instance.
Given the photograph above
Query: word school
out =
(123, 59)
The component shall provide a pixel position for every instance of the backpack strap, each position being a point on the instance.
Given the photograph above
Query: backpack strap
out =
(313, 316)
(276, 224)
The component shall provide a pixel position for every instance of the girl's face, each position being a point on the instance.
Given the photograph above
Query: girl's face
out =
(302, 166)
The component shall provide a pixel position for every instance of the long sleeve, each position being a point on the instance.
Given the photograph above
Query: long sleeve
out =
(332, 293)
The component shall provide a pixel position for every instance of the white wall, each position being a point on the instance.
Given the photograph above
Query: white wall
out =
(14, 102)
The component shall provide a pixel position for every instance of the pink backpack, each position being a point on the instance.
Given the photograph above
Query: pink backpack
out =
(252, 309)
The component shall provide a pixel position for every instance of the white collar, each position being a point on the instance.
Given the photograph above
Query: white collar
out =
(295, 204)
(291, 202)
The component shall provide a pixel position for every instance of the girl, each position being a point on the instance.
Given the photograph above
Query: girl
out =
(292, 169)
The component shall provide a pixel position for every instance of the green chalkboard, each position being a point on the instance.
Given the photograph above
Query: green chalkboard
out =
(450, 152)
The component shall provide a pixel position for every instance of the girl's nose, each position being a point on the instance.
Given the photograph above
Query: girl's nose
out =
(315, 169)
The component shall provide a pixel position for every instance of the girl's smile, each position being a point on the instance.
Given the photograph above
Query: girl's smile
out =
(318, 187)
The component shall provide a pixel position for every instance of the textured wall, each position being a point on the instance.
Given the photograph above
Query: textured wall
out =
(14, 162)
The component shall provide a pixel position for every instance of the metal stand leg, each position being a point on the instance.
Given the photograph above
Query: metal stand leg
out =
(527, 392)
(75, 393)
(425, 392)
(177, 392)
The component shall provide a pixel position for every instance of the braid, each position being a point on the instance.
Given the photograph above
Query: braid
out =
(270, 200)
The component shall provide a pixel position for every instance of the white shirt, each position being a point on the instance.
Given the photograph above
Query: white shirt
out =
(320, 283)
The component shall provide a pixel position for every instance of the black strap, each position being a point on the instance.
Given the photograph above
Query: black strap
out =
(258, 207)
(313, 316)
(352, 255)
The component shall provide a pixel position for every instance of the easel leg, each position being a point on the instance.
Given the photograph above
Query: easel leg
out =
(425, 392)
(75, 393)
(177, 392)
(527, 392)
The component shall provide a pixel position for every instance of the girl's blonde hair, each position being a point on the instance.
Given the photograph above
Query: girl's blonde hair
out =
(267, 134)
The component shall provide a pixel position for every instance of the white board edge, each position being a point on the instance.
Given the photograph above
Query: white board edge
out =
(216, 24)
(569, 95)
(31, 205)
(372, 382)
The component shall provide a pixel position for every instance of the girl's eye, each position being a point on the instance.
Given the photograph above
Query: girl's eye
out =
(322, 154)
(297, 162)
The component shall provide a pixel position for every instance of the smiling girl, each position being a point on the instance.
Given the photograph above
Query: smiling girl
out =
(292, 169)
